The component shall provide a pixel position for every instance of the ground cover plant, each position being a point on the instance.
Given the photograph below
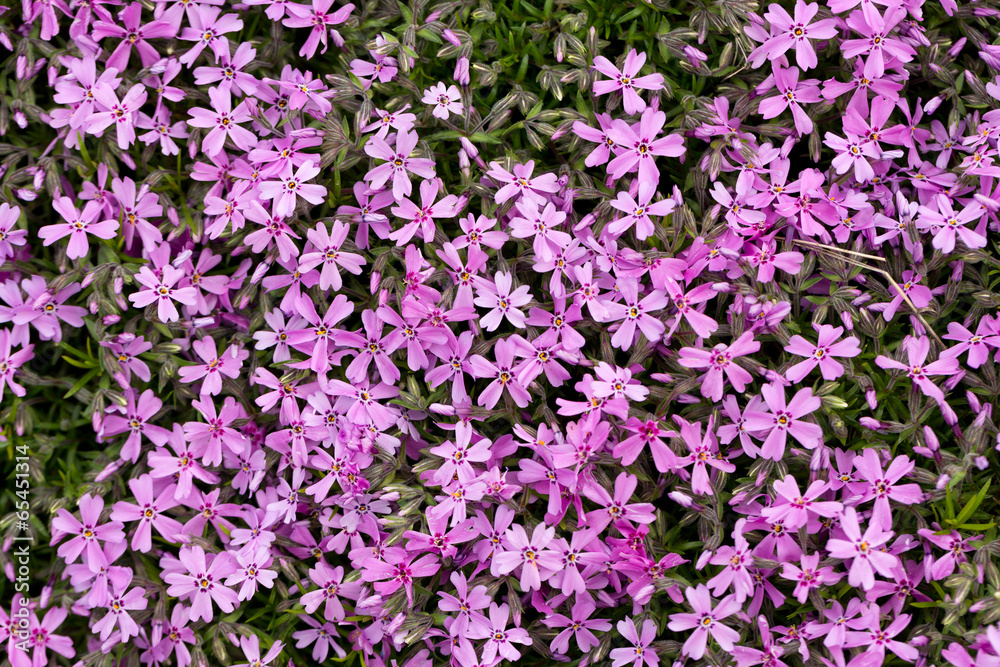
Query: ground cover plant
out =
(465, 333)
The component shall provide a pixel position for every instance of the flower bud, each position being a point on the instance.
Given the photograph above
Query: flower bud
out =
(461, 74)
(451, 37)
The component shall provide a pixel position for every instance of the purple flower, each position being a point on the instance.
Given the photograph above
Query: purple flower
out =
(136, 422)
(122, 601)
(121, 114)
(286, 191)
(500, 639)
(536, 562)
(640, 654)
(626, 80)
(77, 226)
(720, 364)
(224, 121)
(862, 550)
(161, 290)
(784, 420)
(201, 582)
(148, 512)
(398, 164)
(918, 370)
(882, 485)
(86, 532)
(788, 32)
(706, 622)
(821, 353)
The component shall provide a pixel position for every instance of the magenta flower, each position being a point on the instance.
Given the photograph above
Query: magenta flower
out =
(9, 363)
(201, 582)
(536, 562)
(422, 217)
(214, 367)
(720, 365)
(706, 622)
(809, 576)
(121, 114)
(792, 94)
(948, 225)
(207, 30)
(86, 532)
(626, 80)
(637, 212)
(821, 353)
(43, 637)
(398, 164)
(78, 224)
(286, 191)
(122, 602)
(767, 260)
(794, 509)
(640, 146)
(162, 292)
(445, 99)
(224, 121)
(852, 153)
(500, 638)
(918, 370)
(398, 570)
(882, 485)
(617, 508)
(704, 453)
(135, 421)
(788, 32)
(876, 41)
(863, 550)
(320, 19)
(133, 35)
(10, 237)
(636, 313)
(327, 252)
(251, 651)
(149, 513)
(784, 420)
(331, 589)
(579, 626)
(503, 303)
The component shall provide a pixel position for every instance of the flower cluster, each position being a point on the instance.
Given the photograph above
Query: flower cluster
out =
(374, 358)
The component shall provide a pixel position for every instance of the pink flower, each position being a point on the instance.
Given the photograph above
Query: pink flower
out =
(536, 562)
(120, 114)
(445, 99)
(9, 363)
(162, 292)
(398, 164)
(863, 550)
(720, 362)
(85, 531)
(286, 191)
(636, 313)
(77, 226)
(809, 576)
(876, 41)
(784, 420)
(224, 121)
(788, 32)
(10, 237)
(947, 224)
(503, 303)
(852, 152)
(882, 485)
(202, 582)
(149, 513)
(704, 453)
(135, 422)
(122, 601)
(207, 29)
(214, 366)
(319, 18)
(500, 639)
(821, 353)
(706, 622)
(792, 94)
(641, 146)
(626, 80)
(794, 508)
(917, 370)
